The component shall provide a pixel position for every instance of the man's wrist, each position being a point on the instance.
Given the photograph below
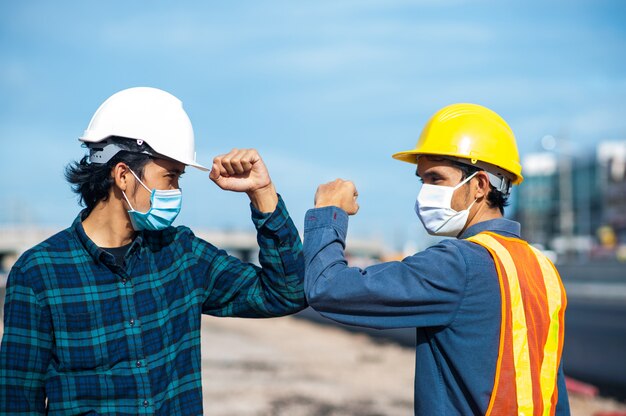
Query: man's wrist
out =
(264, 199)
(328, 204)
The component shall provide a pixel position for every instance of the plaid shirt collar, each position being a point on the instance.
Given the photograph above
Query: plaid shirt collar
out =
(96, 253)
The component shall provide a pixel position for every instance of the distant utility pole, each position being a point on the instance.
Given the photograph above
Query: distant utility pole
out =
(566, 194)
(566, 187)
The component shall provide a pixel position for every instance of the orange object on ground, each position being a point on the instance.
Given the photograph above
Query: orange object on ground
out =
(578, 387)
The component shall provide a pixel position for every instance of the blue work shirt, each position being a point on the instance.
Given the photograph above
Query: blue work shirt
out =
(449, 292)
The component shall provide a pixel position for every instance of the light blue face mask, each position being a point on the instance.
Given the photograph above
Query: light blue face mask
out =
(164, 208)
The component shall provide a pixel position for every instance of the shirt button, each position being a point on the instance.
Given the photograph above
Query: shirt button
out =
(124, 281)
(132, 322)
(138, 364)
(145, 403)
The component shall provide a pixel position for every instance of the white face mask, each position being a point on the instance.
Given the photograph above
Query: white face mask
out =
(434, 209)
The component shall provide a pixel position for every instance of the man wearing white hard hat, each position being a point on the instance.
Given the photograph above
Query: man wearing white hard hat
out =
(104, 317)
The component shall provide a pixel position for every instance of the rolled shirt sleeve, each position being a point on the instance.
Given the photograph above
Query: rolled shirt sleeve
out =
(422, 290)
(246, 290)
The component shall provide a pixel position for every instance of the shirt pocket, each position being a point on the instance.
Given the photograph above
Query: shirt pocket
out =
(80, 342)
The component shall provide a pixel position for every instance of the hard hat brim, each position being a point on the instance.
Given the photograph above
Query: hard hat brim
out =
(198, 166)
(408, 156)
(411, 156)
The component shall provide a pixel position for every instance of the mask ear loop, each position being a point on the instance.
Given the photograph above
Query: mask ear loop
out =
(142, 184)
(127, 201)
(463, 183)
(472, 204)
(466, 180)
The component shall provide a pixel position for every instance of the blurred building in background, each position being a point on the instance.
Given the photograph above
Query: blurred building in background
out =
(575, 206)
(612, 162)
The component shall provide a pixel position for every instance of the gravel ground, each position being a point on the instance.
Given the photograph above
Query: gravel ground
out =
(292, 367)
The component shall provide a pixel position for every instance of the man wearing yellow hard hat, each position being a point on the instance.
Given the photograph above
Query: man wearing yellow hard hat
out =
(488, 308)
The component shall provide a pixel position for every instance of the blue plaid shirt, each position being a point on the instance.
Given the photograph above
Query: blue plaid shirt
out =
(94, 337)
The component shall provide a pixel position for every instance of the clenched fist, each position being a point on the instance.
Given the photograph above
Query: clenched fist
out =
(338, 193)
(243, 170)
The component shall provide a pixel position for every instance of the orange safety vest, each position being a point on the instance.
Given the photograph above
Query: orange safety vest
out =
(531, 332)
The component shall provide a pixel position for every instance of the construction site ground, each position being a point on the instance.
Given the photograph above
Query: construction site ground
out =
(293, 367)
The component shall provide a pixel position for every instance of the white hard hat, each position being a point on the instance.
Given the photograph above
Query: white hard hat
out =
(147, 115)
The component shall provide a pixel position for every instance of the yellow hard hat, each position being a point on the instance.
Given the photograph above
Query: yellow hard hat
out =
(472, 133)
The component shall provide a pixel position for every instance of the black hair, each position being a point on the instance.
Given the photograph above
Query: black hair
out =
(92, 181)
(495, 198)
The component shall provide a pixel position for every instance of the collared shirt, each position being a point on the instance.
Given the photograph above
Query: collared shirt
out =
(449, 292)
(94, 337)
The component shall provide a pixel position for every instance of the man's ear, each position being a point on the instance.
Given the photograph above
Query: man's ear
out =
(482, 185)
(120, 174)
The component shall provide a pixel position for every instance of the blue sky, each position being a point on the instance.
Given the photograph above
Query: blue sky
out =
(322, 89)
